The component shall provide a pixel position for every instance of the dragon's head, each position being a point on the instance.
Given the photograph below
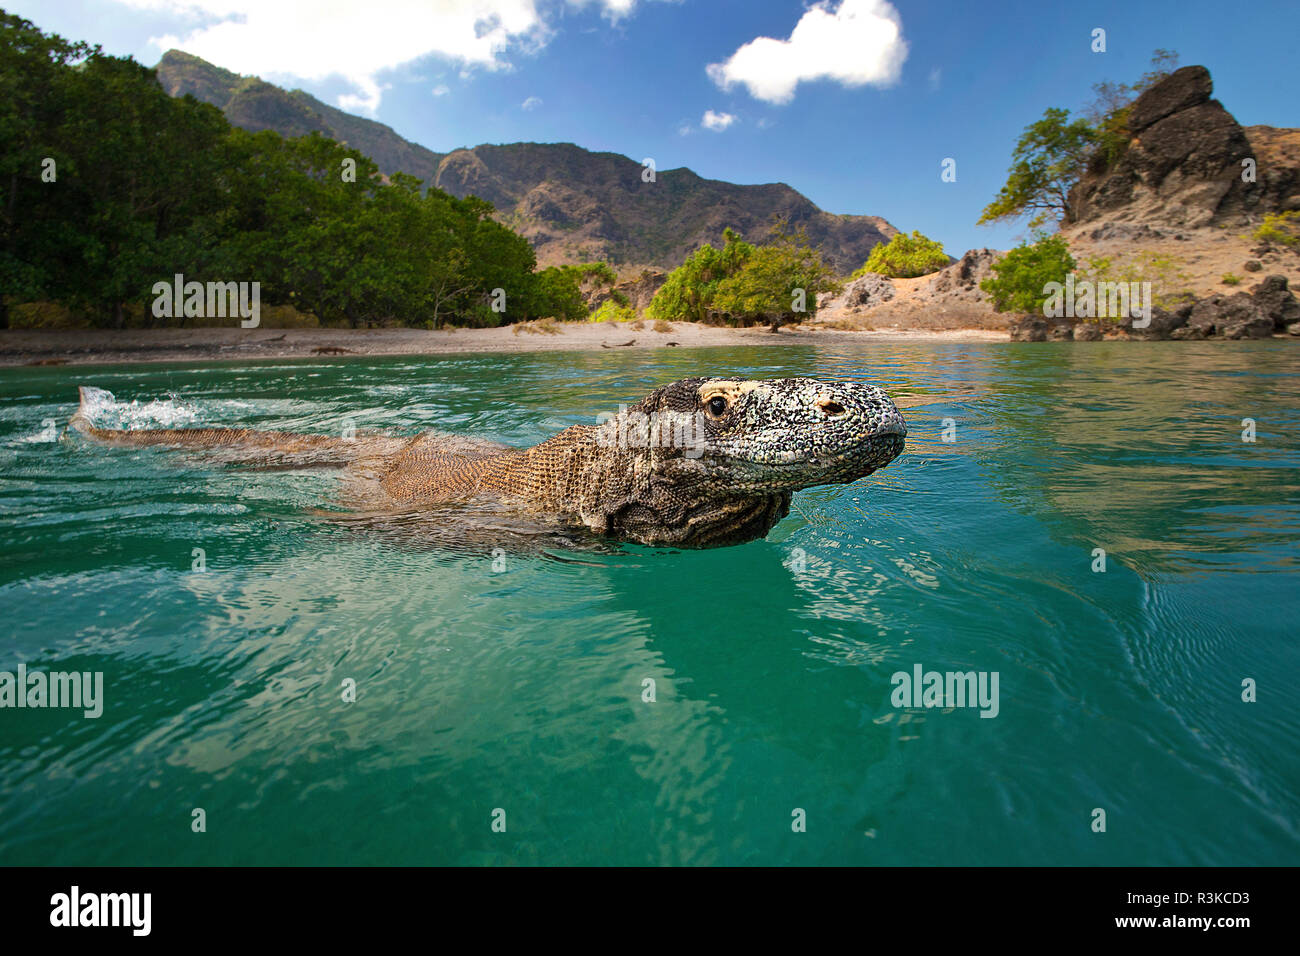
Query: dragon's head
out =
(722, 455)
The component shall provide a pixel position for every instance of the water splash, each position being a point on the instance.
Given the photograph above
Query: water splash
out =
(103, 410)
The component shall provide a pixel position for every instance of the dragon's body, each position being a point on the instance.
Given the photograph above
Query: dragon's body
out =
(698, 463)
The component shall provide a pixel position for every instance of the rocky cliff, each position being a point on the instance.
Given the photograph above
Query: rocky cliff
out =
(1189, 163)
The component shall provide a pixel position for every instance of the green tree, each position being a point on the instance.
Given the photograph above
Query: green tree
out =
(557, 294)
(561, 292)
(904, 257)
(779, 282)
(146, 165)
(149, 185)
(1048, 160)
(689, 291)
(130, 173)
(491, 257)
(364, 252)
(1019, 283)
(314, 238)
(1112, 103)
(1054, 152)
(34, 215)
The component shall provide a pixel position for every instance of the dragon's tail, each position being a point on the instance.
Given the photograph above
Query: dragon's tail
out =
(88, 396)
(232, 445)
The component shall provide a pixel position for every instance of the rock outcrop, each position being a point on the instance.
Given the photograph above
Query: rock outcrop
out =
(1032, 327)
(1184, 164)
(1269, 308)
(961, 280)
(1277, 301)
(864, 292)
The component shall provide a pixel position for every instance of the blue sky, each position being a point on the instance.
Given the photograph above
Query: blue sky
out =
(903, 85)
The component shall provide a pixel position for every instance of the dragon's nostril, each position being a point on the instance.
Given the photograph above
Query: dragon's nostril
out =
(830, 407)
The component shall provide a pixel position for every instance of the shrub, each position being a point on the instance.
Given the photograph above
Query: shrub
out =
(773, 282)
(905, 257)
(1168, 280)
(689, 291)
(613, 311)
(557, 291)
(779, 283)
(1279, 227)
(537, 327)
(1021, 276)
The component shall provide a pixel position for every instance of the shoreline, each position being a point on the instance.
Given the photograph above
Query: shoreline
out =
(56, 347)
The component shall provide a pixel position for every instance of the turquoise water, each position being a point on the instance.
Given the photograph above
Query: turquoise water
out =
(515, 681)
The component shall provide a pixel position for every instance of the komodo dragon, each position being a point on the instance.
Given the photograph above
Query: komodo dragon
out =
(700, 463)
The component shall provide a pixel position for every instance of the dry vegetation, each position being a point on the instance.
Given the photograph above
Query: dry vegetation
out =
(537, 327)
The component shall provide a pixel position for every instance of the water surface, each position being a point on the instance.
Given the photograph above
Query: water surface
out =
(516, 680)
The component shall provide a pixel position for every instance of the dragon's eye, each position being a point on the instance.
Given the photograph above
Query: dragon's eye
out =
(717, 406)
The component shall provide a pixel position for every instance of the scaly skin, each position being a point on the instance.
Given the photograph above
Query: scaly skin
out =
(700, 463)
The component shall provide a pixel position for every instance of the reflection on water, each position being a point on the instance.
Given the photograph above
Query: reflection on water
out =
(517, 678)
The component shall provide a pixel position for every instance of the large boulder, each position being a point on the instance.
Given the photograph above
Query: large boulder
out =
(1248, 327)
(1269, 307)
(1183, 164)
(962, 278)
(1033, 327)
(1236, 316)
(1163, 324)
(1277, 302)
(866, 292)
(1029, 327)
(1181, 90)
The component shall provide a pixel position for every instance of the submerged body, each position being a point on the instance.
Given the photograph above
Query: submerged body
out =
(698, 463)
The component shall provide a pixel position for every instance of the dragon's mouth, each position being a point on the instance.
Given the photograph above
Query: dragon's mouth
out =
(876, 452)
(881, 448)
(821, 467)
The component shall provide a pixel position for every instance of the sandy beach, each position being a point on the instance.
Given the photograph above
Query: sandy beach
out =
(105, 347)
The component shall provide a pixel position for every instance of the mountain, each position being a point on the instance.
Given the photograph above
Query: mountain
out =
(572, 204)
(255, 105)
(575, 204)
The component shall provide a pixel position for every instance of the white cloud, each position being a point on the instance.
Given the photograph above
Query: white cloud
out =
(717, 121)
(531, 103)
(936, 79)
(856, 43)
(366, 101)
(441, 90)
(614, 10)
(318, 39)
(684, 129)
